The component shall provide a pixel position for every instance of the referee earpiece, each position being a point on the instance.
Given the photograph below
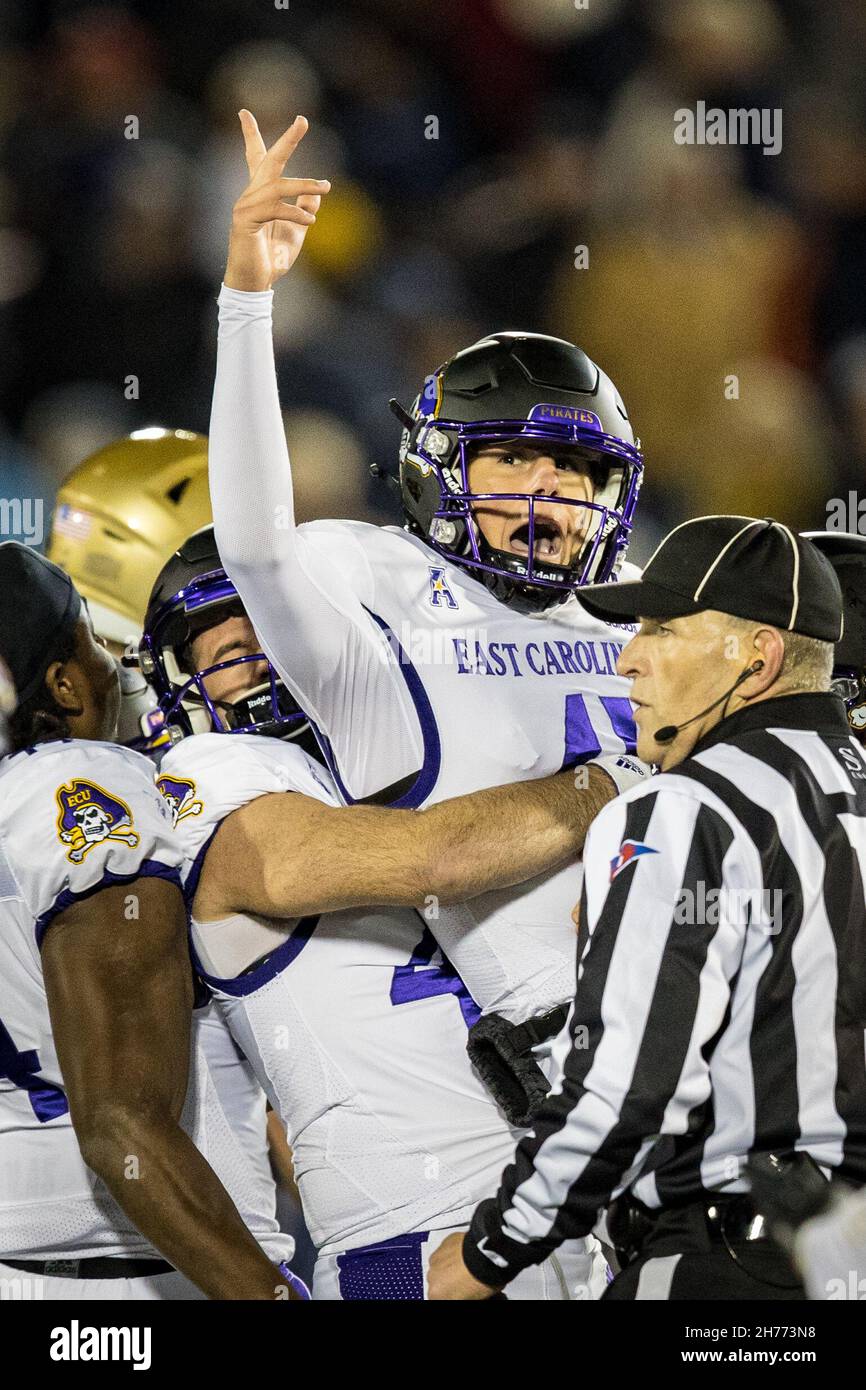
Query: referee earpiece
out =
(669, 731)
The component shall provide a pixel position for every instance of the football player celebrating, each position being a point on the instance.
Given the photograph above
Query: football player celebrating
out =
(106, 1106)
(118, 517)
(452, 654)
(353, 1020)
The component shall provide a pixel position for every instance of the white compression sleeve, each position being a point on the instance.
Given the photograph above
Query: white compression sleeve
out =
(250, 474)
(254, 516)
(309, 614)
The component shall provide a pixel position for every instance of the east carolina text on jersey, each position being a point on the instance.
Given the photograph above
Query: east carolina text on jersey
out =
(474, 657)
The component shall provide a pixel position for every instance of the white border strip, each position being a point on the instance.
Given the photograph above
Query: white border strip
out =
(742, 531)
(796, 576)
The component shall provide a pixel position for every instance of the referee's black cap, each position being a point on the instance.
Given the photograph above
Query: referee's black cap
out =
(39, 607)
(750, 568)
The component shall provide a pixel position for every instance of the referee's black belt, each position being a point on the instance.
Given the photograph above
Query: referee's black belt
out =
(95, 1267)
(726, 1218)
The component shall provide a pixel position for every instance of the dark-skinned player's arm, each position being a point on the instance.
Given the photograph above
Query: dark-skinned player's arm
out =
(287, 855)
(120, 1002)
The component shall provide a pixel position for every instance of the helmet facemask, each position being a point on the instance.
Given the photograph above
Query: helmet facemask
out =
(442, 451)
(188, 706)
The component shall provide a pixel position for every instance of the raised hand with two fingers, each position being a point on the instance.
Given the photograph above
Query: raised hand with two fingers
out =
(271, 217)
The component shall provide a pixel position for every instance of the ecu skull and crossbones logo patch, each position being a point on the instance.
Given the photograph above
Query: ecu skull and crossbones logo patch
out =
(89, 816)
(180, 794)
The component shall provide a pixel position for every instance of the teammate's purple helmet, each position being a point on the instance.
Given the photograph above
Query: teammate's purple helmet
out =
(192, 592)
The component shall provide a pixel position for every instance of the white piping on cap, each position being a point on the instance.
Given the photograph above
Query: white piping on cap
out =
(725, 548)
(796, 576)
(717, 516)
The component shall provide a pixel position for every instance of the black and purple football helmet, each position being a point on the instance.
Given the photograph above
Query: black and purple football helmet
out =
(524, 387)
(847, 554)
(191, 594)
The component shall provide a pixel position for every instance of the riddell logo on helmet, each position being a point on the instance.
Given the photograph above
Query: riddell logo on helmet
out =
(568, 413)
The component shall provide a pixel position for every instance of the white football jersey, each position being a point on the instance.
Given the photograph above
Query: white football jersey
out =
(433, 675)
(422, 685)
(354, 1023)
(439, 675)
(76, 817)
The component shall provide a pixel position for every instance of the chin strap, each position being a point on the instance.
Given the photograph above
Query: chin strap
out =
(140, 720)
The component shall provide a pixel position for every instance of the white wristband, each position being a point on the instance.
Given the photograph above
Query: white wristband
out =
(622, 769)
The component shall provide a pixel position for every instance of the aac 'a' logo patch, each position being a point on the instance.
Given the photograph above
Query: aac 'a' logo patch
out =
(90, 815)
(440, 594)
(629, 851)
(179, 792)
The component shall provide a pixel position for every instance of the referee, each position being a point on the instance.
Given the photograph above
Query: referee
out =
(721, 996)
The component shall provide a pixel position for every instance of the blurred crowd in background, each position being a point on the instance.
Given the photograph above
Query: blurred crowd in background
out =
(553, 130)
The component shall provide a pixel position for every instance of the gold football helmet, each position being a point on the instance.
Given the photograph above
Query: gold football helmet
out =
(118, 517)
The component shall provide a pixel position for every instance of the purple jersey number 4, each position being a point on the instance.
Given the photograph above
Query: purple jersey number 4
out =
(419, 979)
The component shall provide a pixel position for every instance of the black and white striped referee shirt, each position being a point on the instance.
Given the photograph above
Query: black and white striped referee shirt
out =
(721, 994)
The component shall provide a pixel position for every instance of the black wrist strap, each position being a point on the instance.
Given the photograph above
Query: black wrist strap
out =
(501, 1053)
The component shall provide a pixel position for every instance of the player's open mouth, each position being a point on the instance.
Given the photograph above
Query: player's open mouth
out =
(549, 540)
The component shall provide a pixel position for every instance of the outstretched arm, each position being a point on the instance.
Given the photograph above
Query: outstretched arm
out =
(251, 484)
(305, 597)
(285, 855)
(249, 470)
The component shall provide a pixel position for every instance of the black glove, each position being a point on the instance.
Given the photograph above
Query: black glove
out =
(501, 1053)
